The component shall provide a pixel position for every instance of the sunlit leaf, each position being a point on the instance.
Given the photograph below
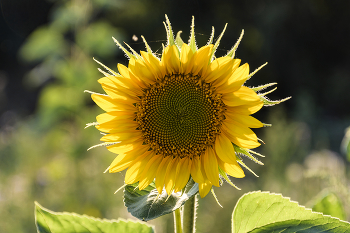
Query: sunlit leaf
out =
(267, 212)
(52, 222)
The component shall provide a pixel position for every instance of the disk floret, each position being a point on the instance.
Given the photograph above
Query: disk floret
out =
(180, 115)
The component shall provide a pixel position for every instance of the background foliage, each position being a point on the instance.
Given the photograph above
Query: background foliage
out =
(46, 63)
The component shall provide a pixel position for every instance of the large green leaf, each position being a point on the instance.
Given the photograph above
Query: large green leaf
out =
(147, 204)
(51, 222)
(266, 212)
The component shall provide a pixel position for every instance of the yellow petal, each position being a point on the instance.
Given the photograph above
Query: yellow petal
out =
(154, 64)
(127, 154)
(249, 121)
(236, 80)
(244, 95)
(233, 169)
(204, 188)
(110, 88)
(117, 126)
(134, 172)
(224, 149)
(196, 172)
(160, 176)
(239, 140)
(150, 171)
(210, 165)
(186, 61)
(217, 68)
(130, 77)
(141, 71)
(183, 173)
(109, 105)
(201, 60)
(171, 60)
(171, 175)
(247, 109)
(128, 134)
(112, 116)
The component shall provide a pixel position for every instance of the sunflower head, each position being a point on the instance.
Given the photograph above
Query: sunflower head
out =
(184, 114)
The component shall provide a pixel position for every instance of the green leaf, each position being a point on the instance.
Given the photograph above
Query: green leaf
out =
(330, 204)
(267, 212)
(147, 205)
(48, 222)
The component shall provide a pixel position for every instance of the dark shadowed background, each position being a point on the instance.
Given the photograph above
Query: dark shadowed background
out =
(46, 50)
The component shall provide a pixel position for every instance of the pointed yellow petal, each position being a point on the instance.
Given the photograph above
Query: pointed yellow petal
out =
(128, 134)
(154, 64)
(186, 61)
(239, 140)
(236, 80)
(196, 172)
(171, 60)
(210, 165)
(109, 105)
(249, 121)
(201, 60)
(233, 169)
(244, 95)
(247, 109)
(117, 126)
(112, 116)
(150, 171)
(128, 75)
(217, 68)
(171, 175)
(183, 174)
(134, 172)
(127, 154)
(160, 176)
(224, 149)
(204, 188)
(141, 71)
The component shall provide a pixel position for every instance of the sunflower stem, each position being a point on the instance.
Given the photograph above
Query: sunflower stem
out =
(189, 215)
(177, 221)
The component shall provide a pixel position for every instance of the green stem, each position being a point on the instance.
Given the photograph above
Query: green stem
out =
(189, 212)
(177, 221)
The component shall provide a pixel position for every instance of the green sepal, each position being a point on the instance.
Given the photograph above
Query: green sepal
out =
(232, 52)
(47, 221)
(210, 41)
(178, 39)
(192, 41)
(245, 152)
(169, 30)
(124, 49)
(147, 204)
(269, 212)
(240, 161)
(215, 197)
(262, 87)
(148, 48)
(217, 43)
(224, 175)
(268, 102)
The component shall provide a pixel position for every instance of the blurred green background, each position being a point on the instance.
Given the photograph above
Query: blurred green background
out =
(46, 50)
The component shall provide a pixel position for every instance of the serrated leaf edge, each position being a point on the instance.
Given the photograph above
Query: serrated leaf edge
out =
(287, 198)
(87, 216)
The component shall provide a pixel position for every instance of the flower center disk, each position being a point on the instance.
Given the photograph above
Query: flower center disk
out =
(180, 116)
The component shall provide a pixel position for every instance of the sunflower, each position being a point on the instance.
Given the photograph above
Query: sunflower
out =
(185, 114)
